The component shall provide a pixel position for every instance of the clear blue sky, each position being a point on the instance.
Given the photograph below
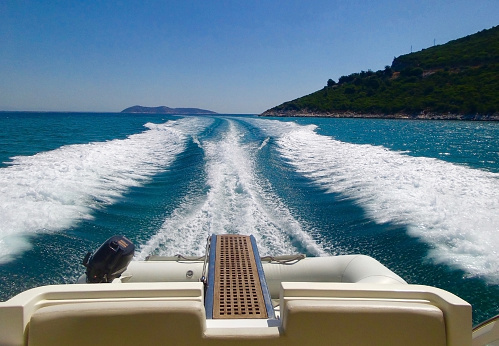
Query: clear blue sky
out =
(227, 56)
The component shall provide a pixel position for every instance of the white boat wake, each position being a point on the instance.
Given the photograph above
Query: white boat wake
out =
(452, 208)
(237, 202)
(52, 191)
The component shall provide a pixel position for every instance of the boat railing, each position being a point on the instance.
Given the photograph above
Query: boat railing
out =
(487, 332)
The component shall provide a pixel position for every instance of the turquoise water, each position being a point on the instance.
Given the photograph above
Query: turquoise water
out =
(419, 196)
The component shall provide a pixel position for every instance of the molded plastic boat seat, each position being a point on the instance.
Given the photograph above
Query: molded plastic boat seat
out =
(98, 312)
(119, 323)
(373, 314)
(364, 323)
(174, 314)
(306, 322)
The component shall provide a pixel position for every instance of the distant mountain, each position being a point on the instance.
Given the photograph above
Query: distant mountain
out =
(456, 80)
(166, 110)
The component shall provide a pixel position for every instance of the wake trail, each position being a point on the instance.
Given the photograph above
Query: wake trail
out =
(237, 201)
(52, 191)
(452, 208)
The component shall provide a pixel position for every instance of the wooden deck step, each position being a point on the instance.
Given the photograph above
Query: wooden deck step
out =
(236, 283)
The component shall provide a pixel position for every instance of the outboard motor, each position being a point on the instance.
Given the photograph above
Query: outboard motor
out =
(110, 260)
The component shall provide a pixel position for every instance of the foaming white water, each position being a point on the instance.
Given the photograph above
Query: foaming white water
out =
(52, 191)
(453, 208)
(237, 202)
(264, 143)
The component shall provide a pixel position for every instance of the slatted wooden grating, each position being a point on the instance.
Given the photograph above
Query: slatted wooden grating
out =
(237, 289)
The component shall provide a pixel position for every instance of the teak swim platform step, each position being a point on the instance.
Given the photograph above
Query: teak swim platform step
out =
(236, 287)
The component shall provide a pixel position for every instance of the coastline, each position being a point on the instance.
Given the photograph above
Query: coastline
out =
(415, 116)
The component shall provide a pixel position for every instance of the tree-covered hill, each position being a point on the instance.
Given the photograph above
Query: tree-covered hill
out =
(456, 80)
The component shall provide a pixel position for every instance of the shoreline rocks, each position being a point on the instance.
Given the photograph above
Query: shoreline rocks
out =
(417, 116)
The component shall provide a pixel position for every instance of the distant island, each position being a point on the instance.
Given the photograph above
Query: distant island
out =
(166, 110)
(458, 80)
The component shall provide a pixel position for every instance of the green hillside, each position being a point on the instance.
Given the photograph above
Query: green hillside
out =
(457, 80)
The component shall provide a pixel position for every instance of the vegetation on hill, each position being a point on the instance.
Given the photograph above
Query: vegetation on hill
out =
(457, 80)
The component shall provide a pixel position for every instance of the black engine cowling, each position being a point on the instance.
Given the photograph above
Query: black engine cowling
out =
(110, 260)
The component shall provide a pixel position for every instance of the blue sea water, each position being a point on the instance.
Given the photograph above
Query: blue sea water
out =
(422, 197)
